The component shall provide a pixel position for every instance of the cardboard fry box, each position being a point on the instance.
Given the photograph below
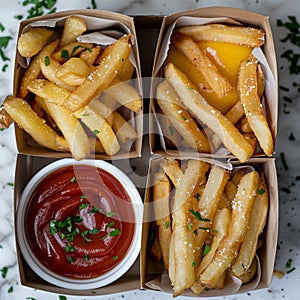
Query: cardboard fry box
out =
(161, 140)
(26, 167)
(153, 274)
(113, 25)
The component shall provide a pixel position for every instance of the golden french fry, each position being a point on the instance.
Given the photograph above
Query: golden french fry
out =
(256, 224)
(248, 94)
(21, 112)
(96, 145)
(48, 90)
(225, 202)
(70, 127)
(252, 140)
(229, 134)
(90, 55)
(245, 126)
(161, 193)
(124, 131)
(247, 36)
(127, 70)
(208, 205)
(247, 276)
(49, 70)
(182, 235)
(260, 81)
(73, 71)
(70, 50)
(34, 69)
(33, 41)
(172, 169)
(74, 26)
(98, 80)
(181, 118)
(218, 83)
(125, 94)
(5, 119)
(97, 124)
(219, 229)
(105, 111)
(230, 190)
(229, 246)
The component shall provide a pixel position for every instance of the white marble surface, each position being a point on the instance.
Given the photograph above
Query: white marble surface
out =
(289, 184)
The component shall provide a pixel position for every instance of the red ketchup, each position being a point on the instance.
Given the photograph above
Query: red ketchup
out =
(80, 222)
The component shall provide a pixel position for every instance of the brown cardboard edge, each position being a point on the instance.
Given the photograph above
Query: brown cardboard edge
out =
(244, 16)
(26, 167)
(21, 136)
(270, 233)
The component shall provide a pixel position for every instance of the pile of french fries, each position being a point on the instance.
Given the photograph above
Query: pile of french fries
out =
(75, 96)
(209, 226)
(192, 121)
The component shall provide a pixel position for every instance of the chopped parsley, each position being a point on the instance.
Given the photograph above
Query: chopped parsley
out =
(86, 257)
(289, 263)
(197, 215)
(4, 272)
(96, 131)
(115, 232)
(82, 206)
(193, 264)
(38, 8)
(293, 36)
(115, 257)
(189, 226)
(73, 179)
(261, 191)
(4, 41)
(10, 290)
(167, 225)
(61, 297)
(65, 53)
(47, 61)
(206, 250)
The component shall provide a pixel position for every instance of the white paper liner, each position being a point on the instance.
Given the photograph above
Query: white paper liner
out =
(270, 84)
(102, 32)
(233, 285)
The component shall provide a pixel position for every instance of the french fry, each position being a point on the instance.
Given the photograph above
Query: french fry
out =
(70, 50)
(180, 118)
(257, 222)
(182, 236)
(74, 26)
(105, 111)
(173, 171)
(220, 226)
(127, 70)
(260, 81)
(161, 193)
(252, 140)
(21, 112)
(34, 69)
(98, 80)
(34, 40)
(229, 246)
(208, 205)
(49, 72)
(70, 127)
(73, 71)
(125, 94)
(97, 124)
(247, 276)
(248, 94)
(90, 55)
(5, 119)
(245, 126)
(247, 36)
(48, 90)
(124, 131)
(219, 84)
(229, 134)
